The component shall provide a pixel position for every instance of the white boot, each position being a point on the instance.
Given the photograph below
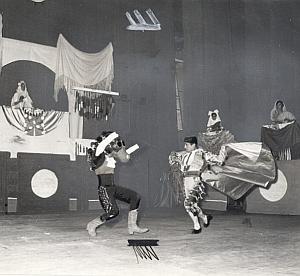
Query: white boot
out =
(93, 225)
(205, 218)
(197, 226)
(132, 223)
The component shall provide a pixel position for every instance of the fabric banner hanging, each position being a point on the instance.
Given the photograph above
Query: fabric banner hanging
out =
(15, 50)
(22, 134)
(281, 138)
(76, 68)
(33, 123)
(65, 61)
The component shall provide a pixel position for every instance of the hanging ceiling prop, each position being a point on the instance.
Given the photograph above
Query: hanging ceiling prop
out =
(94, 103)
(141, 24)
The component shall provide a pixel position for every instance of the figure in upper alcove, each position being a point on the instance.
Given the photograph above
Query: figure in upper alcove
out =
(279, 113)
(215, 135)
(214, 121)
(21, 98)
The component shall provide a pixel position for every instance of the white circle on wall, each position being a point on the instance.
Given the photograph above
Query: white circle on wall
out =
(277, 190)
(44, 183)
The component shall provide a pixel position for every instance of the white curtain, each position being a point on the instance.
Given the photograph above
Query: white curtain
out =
(76, 68)
(84, 69)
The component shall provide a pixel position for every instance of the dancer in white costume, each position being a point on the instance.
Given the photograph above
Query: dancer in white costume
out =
(193, 162)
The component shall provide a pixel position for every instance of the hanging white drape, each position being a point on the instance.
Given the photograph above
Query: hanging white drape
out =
(15, 50)
(85, 69)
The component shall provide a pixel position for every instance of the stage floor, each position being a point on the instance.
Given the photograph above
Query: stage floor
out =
(234, 244)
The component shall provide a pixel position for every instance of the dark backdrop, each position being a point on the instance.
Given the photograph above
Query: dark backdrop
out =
(240, 56)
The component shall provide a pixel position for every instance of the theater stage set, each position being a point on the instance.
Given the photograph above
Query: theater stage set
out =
(48, 193)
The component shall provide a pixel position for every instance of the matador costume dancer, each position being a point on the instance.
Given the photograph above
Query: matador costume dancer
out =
(102, 157)
(192, 162)
(234, 171)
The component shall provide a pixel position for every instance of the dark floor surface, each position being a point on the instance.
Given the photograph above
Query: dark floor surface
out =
(234, 244)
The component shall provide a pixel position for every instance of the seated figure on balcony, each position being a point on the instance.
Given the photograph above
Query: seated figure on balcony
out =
(215, 135)
(214, 122)
(21, 98)
(279, 113)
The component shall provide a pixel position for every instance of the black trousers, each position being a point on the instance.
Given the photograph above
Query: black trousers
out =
(109, 193)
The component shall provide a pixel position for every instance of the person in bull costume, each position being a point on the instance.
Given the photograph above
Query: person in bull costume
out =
(102, 157)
